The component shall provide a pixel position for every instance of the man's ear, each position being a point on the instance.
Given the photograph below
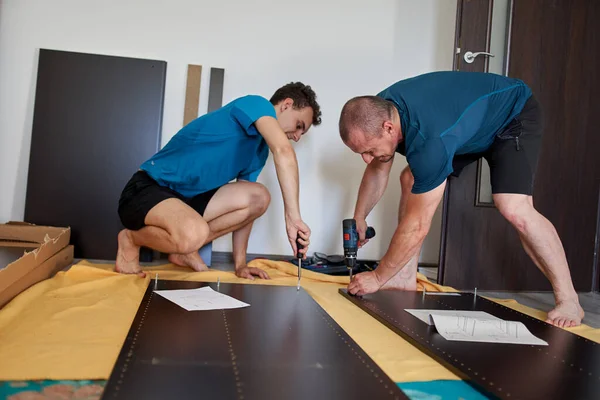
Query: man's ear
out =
(287, 103)
(388, 128)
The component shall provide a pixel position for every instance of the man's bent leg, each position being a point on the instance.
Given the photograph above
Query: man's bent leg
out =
(543, 244)
(233, 207)
(406, 278)
(171, 227)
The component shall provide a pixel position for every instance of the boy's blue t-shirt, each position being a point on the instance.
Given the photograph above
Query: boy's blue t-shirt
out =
(449, 113)
(214, 149)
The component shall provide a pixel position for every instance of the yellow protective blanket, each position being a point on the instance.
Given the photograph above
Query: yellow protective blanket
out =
(73, 325)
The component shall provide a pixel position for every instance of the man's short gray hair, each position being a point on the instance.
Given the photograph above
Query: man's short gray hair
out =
(364, 113)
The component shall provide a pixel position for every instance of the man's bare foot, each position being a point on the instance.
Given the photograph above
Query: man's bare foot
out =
(192, 260)
(401, 281)
(128, 255)
(566, 314)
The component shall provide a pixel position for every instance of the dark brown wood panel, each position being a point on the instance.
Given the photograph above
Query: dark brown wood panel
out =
(215, 92)
(96, 119)
(568, 368)
(283, 346)
(555, 48)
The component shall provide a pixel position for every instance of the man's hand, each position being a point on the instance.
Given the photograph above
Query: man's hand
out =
(361, 229)
(297, 229)
(364, 283)
(250, 273)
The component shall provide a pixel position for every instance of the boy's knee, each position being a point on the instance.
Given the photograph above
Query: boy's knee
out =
(259, 199)
(190, 236)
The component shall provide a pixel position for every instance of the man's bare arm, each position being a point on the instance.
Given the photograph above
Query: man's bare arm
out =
(410, 233)
(285, 160)
(372, 187)
(286, 166)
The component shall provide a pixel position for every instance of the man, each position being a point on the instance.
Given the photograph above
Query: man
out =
(441, 122)
(183, 197)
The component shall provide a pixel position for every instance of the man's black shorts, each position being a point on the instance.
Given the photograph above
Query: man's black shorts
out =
(513, 156)
(142, 193)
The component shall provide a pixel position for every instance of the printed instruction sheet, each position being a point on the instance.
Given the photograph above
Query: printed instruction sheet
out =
(425, 315)
(477, 326)
(204, 298)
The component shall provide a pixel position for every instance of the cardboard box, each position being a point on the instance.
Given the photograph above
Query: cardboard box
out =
(48, 251)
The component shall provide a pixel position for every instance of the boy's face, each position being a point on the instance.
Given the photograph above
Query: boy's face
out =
(294, 122)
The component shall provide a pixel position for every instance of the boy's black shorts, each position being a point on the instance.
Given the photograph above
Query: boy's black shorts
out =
(142, 193)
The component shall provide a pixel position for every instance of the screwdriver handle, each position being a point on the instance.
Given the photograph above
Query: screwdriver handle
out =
(370, 233)
(298, 247)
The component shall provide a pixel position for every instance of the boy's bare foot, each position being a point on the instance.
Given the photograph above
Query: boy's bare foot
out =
(192, 260)
(128, 255)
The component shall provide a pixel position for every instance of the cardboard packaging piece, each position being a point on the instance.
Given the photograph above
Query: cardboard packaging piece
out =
(48, 251)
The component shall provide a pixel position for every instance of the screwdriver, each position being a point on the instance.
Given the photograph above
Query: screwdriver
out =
(299, 257)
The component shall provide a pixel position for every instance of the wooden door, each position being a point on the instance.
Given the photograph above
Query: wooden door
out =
(554, 47)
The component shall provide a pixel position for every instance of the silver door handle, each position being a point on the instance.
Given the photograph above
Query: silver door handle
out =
(470, 57)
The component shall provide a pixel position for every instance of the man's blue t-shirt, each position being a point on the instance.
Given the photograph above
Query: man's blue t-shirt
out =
(214, 149)
(449, 113)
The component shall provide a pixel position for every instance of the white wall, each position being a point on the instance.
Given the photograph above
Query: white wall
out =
(342, 48)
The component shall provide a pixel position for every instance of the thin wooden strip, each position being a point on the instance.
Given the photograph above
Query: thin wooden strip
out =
(192, 93)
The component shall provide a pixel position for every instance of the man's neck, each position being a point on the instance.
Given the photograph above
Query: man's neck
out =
(397, 126)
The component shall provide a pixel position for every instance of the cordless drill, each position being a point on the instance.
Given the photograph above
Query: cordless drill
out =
(351, 242)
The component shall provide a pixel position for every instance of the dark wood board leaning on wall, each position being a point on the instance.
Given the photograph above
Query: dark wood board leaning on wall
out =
(96, 120)
(568, 368)
(215, 93)
(283, 346)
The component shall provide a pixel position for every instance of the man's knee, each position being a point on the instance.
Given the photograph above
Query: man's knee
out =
(517, 209)
(259, 199)
(190, 235)
(407, 179)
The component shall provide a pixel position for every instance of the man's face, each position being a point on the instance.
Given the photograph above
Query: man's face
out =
(294, 122)
(382, 147)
